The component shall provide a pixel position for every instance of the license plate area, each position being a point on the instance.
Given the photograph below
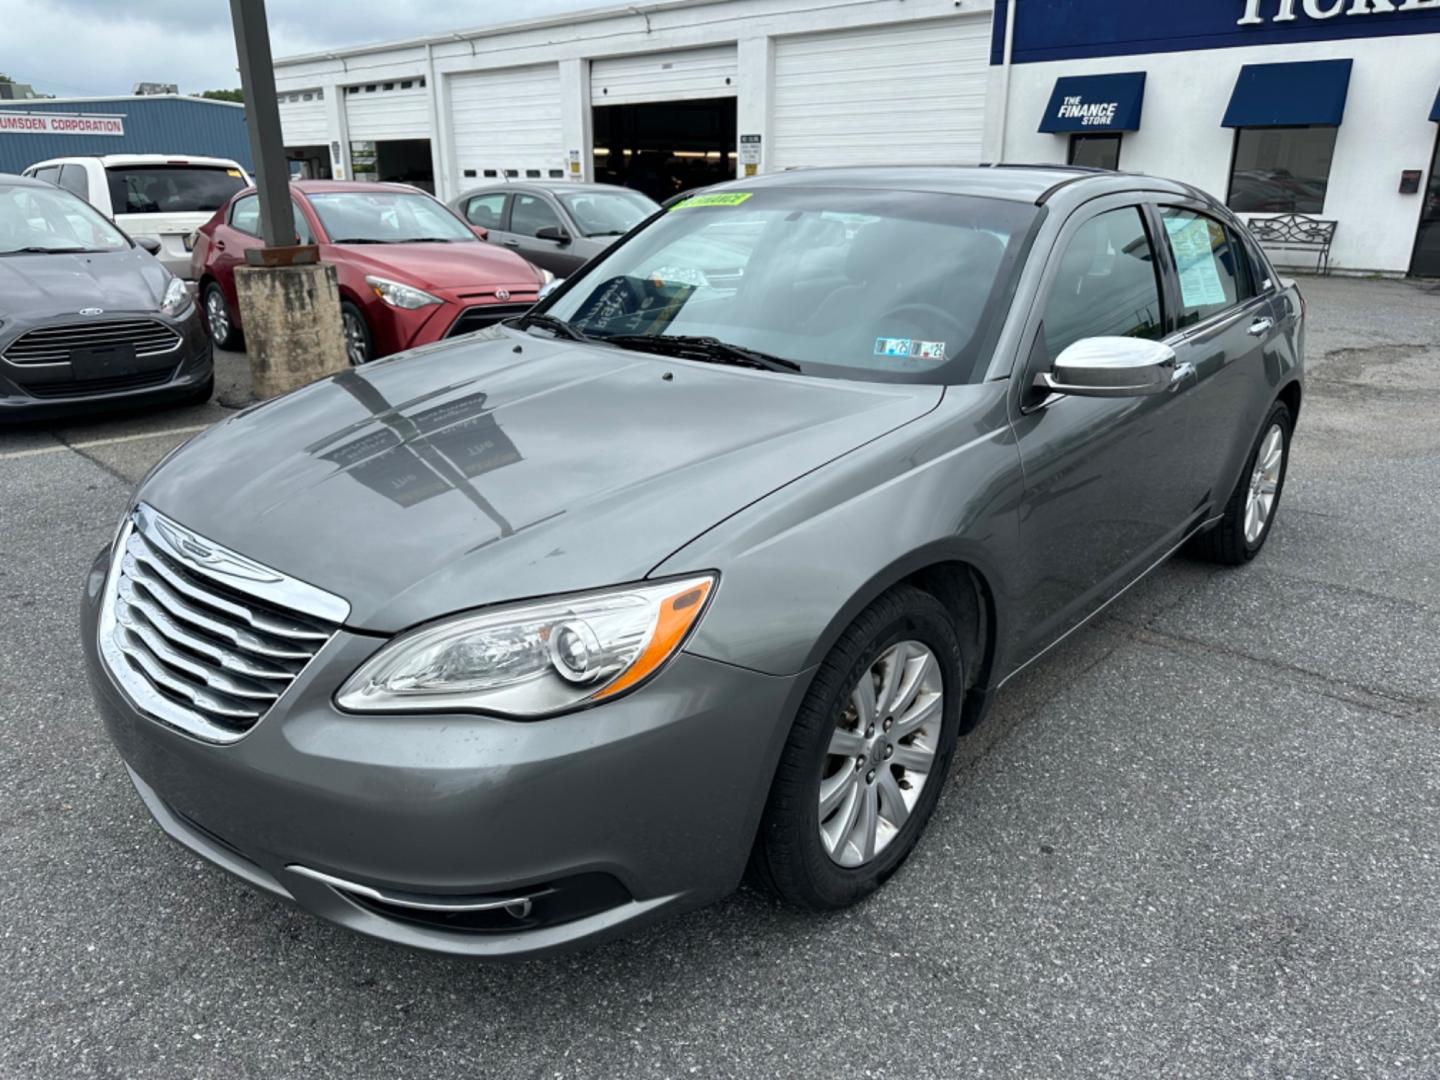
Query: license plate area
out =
(105, 362)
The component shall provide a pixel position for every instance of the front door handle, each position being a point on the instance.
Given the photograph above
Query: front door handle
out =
(1183, 371)
(510, 243)
(1261, 326)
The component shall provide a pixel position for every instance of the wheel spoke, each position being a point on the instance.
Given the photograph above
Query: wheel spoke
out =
(891, 681)
(846, 742)
(913, 758)
(837, 833)
(913, 682)
(863, 699)
(869, 820)
(835, 789)
(892, 799)
(920, 714)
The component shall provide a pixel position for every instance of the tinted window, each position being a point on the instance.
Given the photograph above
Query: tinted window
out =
(171, 189)
(608, 213)
(245, 215)
(50, 174)
(72, 178)
(1209, 262)
(530, 213)
(1105, 284)
(46, 219)
(484, 210)
(892, 286)
(1095, 151)
(1281, 170)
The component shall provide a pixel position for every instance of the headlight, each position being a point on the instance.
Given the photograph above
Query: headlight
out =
(401, 296)
(176, 298)
(532, 659)
(545, 275)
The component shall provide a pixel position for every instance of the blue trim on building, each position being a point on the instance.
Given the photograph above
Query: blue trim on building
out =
(1308, 93)
(1076, 29)
(1435, 109)
(153, 125)
(1095, 103)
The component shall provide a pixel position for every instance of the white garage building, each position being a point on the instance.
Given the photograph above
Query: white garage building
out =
(716, 86)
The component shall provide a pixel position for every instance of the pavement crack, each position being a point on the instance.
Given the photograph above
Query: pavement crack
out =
(101, 465)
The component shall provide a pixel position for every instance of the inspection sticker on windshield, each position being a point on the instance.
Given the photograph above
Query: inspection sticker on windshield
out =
(909, 347)
(717, 198)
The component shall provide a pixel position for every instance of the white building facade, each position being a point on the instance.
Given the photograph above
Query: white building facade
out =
(1326, 108)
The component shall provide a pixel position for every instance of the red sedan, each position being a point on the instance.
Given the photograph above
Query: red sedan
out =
(410, 271)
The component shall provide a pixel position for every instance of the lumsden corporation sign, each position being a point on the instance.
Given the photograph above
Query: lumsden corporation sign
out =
(20, 123)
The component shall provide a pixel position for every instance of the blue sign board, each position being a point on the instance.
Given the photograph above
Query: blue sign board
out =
(1071, 29)
(1095, 103)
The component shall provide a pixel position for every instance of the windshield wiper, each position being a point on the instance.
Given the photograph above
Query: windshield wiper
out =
(35, 249)
(427, 240)
(609, 232)
(360, 240)
(702, 348)
(558, 327)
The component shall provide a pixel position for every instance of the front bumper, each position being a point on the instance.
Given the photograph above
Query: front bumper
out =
(35, 391)
(659, 793)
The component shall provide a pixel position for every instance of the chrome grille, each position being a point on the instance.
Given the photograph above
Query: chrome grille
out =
(201, 637)
(52, 344)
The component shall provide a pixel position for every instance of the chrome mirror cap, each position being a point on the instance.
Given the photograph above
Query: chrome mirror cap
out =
(1114, 367)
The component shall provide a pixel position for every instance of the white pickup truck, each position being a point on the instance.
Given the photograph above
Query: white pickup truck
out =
(165, 197)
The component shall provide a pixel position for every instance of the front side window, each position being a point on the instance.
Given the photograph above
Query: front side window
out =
(1105, 284)
(1209, 261)
(245, 215)
(893, 286)
(36, 220)
(609, 213)
(1281, 170)
(387, 217)
(530, 213)
(484, 210)
(171, 189)
(1095, 151)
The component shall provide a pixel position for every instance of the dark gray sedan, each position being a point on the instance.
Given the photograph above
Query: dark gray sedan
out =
(557, 225)
(705, 562)
(86, 316)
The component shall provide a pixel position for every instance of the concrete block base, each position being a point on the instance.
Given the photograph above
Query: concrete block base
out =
(293, 333)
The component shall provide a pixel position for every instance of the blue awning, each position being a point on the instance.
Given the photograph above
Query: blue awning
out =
(1435, 109)
(1310, 93)
(1095, 103)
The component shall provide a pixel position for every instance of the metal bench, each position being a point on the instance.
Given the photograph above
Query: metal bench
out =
(1296, 232)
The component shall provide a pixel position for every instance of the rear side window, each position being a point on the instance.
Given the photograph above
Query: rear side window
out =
(50, 174)
(245, 215)
(72, 178)
(1106, 283)
(484, 210)
(171, 189)
(1209, 262)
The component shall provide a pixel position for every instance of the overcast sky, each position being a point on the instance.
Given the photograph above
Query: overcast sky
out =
(82, 48)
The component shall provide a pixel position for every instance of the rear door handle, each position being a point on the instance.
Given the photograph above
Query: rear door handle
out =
(1261, 326)
(510, 243)
(220, 244)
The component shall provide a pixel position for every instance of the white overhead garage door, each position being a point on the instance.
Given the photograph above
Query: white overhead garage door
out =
(374, 114)
(682, 75)
(302, 118)
(506, 120)
(881, 95)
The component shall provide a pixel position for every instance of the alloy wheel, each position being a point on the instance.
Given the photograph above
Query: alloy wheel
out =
(881, 753)
(1264, 483)
(216, 317)
(357, 348)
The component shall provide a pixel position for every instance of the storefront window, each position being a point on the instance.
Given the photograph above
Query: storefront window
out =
(1095, 151)
(1280, 170)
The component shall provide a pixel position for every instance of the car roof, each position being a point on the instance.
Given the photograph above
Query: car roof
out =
(555, 187)
(12, 180)
(109, 160)
(316, 187)
(1018, 183)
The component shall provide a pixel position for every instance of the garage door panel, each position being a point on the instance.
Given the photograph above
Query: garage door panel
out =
(506, 119)
(910, 93)
(302, 118)
(387, 114)
(682, 75)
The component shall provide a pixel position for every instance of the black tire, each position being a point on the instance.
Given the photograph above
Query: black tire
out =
(1225, 543)
(226, 335)
(789, 858)
(352, 316)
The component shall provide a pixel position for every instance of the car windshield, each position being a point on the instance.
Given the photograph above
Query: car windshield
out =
(895, 286)
(172, 189)
(387, 217)
(36, 220)
(608, 213)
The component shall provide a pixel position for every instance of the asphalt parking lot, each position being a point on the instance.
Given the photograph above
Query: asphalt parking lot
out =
(1202, 838)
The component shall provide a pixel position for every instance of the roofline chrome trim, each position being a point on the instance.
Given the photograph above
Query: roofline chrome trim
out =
(516, 906)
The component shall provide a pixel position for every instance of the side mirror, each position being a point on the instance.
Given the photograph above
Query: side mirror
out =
(480, 232)
(548, 288)
(553, 232)
(1113, 367)
(149, 243)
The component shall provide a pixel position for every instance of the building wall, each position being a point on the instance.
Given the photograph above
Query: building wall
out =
(154, 124)
(1385, 129)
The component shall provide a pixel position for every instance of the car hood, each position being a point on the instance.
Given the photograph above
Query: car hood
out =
(38, 286)
(468, 474)
(443, 266)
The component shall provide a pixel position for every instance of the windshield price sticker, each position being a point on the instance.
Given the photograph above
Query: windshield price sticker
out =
(910, 347)
(718, 198)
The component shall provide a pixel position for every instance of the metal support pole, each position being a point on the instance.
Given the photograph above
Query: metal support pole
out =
(267, 146)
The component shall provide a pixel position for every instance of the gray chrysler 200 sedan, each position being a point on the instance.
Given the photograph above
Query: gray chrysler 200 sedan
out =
(530, 637)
